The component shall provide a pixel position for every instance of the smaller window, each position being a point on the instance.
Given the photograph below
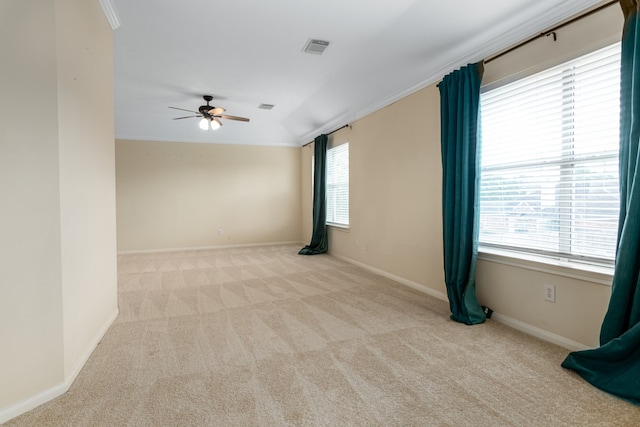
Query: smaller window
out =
(338, 185)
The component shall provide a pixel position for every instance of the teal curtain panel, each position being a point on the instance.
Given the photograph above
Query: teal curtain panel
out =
(459, 110)
(319, 241)
(615, 366)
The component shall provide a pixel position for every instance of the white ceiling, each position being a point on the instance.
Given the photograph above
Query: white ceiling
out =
(244, 53)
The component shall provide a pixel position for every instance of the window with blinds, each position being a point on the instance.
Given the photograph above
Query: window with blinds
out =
(338, 185)
(549, 161)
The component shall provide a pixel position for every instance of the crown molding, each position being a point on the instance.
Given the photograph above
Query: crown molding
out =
(111, 13)
(469, 53)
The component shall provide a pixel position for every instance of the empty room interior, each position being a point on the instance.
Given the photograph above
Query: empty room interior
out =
(160, 171)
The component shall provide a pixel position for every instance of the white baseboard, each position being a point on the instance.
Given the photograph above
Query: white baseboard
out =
(500, 318)
(33, 402)
(201, 248)
(539, 333)
(59, 389)
(417, 286)
(90, 348)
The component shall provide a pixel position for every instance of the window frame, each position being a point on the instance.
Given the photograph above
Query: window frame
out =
(331, 223)
(583, 267)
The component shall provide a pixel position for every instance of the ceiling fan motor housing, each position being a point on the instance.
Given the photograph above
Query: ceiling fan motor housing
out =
(204, 109)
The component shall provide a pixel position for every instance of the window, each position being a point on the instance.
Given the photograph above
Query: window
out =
(549, 161)
(338, 185)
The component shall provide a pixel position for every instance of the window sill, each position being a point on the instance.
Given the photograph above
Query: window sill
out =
(587, 272)
(340, 227)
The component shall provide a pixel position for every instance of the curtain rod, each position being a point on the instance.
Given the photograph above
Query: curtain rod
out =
(333, 131)
(552, 31)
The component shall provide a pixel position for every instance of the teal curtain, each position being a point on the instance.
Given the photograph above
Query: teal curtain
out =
(615, 365)
(319, 242)
(459, 110)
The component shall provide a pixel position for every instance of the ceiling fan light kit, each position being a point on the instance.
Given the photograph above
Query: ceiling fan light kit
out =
(210, 115)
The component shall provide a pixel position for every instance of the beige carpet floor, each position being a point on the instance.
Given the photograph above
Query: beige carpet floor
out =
(264, 337)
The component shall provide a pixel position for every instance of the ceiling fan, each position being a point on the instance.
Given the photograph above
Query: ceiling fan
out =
(210, 115)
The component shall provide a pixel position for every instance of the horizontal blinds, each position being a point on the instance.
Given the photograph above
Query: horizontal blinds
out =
(338, 184)
(549, 160)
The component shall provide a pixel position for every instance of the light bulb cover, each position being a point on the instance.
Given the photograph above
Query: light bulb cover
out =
(204, 124)
(215, 124)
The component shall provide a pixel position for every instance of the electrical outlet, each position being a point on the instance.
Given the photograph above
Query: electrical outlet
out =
(550, 293)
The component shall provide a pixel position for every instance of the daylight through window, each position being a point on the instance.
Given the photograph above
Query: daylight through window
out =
(549, 161)
(338, 185)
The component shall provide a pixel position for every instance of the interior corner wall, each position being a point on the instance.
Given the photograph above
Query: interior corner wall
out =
(87, 177)
(57, 251)
(395, 224)
(174, 195)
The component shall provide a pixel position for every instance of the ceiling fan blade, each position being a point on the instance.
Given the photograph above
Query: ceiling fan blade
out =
(216, 111)
(240, 119)
(185, 117)
(182, 109)
(215, 119)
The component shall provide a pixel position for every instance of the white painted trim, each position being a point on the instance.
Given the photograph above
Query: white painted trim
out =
(227, 141)
(417, 286)
(471, 52)
(539, 333)
(91, 347)
(201, 248)
(58, 390)
(602, 276)
(33, 402)
(500, 318)
(111, 13)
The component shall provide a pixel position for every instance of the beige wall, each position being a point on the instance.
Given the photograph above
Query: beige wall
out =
(31, 355)
(395, 202)
(87, 176)
(517, 291)
(394, 192)
(306, 193)
(57, 251)
(177, 195)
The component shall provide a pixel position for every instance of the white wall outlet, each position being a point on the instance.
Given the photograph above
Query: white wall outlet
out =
(550, 293)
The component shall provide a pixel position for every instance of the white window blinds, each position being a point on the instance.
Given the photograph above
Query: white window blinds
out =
(549, 161)
(338, 185)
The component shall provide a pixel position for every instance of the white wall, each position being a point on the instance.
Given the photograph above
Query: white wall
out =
(57, 247)
(178, 195)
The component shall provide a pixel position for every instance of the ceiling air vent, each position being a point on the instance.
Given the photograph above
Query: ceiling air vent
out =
(265, 106)
(315, 46)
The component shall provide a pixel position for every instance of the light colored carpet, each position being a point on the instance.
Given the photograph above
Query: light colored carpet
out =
(265, 337)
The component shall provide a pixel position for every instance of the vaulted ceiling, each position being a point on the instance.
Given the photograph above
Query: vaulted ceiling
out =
(246, 53)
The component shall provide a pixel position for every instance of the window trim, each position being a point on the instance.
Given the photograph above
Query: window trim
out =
(340, 225)
(594, 273)
(595, 270)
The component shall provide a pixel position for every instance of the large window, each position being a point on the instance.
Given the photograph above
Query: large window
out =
(338, 185)
(549, 161)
